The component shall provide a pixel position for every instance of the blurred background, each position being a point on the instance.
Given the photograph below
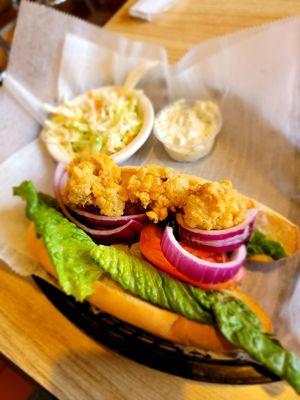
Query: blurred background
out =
(94, 11)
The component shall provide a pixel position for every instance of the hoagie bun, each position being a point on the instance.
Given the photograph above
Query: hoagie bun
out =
(111, 298)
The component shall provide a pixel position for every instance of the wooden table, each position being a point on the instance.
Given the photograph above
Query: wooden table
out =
(191, 21)
(36, 337)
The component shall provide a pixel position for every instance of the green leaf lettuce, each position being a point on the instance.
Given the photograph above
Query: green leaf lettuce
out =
(260, 244)
(68, 247)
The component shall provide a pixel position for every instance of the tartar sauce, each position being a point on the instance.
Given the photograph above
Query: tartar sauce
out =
(187, 130)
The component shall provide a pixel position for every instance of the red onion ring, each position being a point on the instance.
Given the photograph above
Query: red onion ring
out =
(197, 269)
(127, 232)
(102, 220)
(218, 246)
(222, 240)
(217, 234)
(94, 219)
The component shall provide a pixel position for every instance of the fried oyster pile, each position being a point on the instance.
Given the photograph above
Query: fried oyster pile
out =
(96, 181)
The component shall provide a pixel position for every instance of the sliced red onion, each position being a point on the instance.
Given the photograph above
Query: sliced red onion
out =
(216, 234)
(127, 232)
(61, 175)
(222, 240)
(104, 221)
(196, 268)
(218, 246)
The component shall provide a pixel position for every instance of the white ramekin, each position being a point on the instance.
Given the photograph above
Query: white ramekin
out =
(187, 153)
(146, 108)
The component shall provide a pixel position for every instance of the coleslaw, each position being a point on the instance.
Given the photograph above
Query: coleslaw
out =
(101, 121)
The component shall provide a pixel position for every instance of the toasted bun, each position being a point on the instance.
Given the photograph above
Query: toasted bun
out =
(272, 224)
(111, 298)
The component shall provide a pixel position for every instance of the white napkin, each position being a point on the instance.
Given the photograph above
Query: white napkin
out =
(148, 9)
(107, 68)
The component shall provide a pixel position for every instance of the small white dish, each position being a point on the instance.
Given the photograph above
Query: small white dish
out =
(188, 152)
(145, 108)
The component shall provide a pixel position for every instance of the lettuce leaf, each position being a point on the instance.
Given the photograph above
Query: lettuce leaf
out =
(147, 282)
(260, 346)
(260, 244)
(68, 246)
(232, 317)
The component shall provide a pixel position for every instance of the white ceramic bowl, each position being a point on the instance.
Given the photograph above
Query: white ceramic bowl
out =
(188, 153)
(146, 109)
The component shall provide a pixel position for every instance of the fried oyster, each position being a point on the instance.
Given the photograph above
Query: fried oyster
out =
(160, 190)
(97, 181)
(214, 205)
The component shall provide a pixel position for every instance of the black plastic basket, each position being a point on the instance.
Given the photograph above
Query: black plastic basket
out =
(151, 351)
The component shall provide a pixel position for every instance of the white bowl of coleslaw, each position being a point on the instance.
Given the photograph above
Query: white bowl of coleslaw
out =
(110, 120)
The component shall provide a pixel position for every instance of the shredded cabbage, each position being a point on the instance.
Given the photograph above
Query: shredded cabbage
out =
(102, 122)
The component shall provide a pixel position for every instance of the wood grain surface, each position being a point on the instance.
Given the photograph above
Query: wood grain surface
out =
(36, 337)
(40, 340)
(191, 21)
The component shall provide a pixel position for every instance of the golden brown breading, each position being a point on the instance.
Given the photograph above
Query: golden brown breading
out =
(160, 189)
(95, 180)
(215, 205)
(147, 187)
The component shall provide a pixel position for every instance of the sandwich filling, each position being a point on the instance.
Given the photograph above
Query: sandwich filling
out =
(96, 181)
(79, 262)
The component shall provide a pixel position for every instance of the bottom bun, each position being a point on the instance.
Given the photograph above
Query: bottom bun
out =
(111, 298)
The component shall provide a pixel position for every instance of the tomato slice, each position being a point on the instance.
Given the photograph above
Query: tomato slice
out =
(150, 248)
(206, 255)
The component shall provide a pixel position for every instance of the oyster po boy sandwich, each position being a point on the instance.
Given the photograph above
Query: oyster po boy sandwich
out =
(163, 251)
